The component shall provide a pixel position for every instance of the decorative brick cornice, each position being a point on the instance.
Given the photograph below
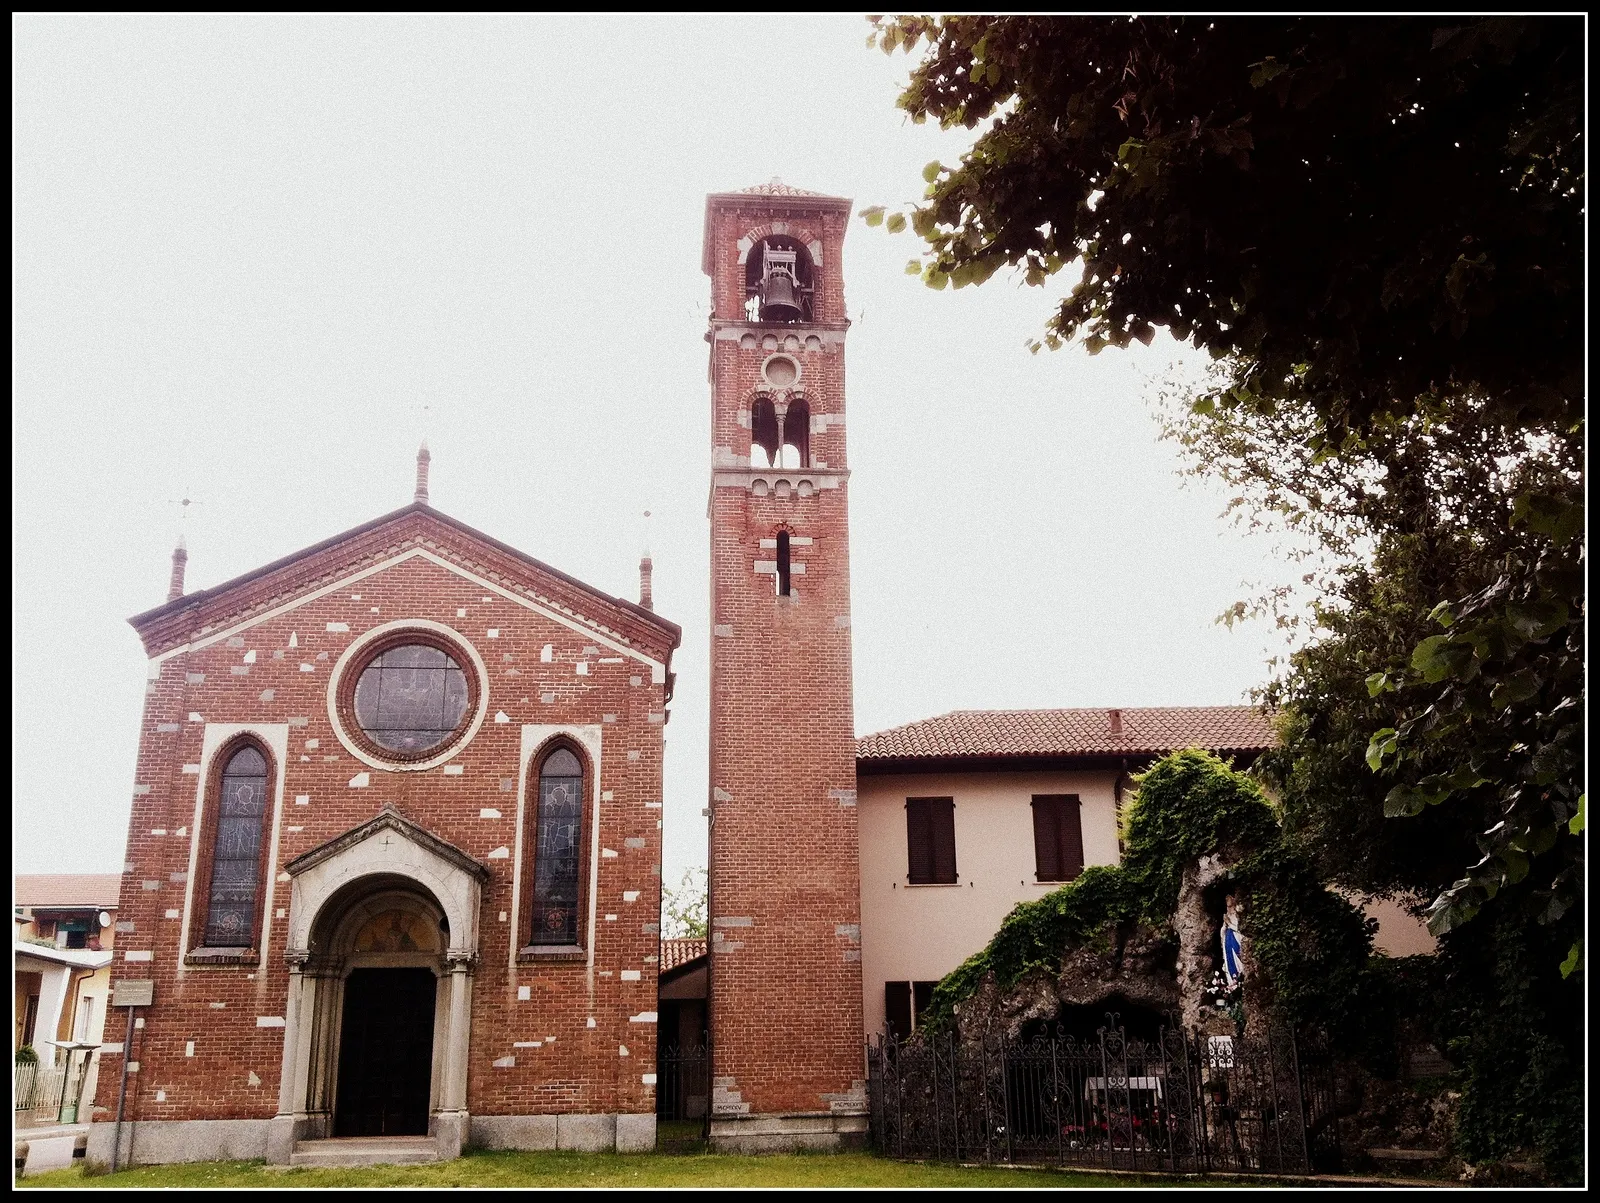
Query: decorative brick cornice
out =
(417, 526)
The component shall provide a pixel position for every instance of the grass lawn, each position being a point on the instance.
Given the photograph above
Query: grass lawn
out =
(613, 1169)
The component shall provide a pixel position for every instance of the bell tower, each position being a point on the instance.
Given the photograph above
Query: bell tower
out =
(785, 991)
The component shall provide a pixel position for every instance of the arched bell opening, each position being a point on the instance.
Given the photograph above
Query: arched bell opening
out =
(765, 440)
(778, 281)
(796, 449)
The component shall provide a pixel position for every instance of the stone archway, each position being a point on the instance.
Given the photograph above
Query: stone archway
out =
(385, 895)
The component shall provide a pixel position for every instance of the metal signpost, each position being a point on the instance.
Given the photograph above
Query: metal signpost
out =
(131, 995)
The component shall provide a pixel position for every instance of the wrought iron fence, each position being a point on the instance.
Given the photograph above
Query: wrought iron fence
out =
(682, 1082)
(38, 1091)
(1171, 1103)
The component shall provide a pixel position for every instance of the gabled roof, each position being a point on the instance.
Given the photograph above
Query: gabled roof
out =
(389, 819)
(985, 736)
(99, 891)
(418, 524)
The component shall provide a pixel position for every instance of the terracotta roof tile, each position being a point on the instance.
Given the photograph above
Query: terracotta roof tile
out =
(1146, 730)
(776, 187)
(67, 889)
(676, 952)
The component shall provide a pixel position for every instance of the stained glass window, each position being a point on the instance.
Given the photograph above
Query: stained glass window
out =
(411, 698)
(555, 866)
(236, 852)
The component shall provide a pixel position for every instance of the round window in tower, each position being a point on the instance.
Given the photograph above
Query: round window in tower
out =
(780, 371)
(410, 697)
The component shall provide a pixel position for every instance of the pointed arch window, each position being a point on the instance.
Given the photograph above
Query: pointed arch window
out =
(557, 851)
(237, 830)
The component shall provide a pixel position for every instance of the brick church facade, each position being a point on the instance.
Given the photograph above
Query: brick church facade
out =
(394, 859)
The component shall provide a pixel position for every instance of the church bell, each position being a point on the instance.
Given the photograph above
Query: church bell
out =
(780, 299)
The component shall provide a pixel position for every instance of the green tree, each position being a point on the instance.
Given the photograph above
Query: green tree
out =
(1368, 223)
(1375, 227)
(683, 907)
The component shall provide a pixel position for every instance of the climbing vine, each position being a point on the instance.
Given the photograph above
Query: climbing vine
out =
(1310, 944)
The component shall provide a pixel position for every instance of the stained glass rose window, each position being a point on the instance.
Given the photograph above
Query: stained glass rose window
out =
(411, 698)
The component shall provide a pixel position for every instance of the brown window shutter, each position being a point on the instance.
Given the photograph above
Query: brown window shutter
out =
(942, 819)
(1070, 817)
(897, 1007)
(921, 999)
(919, 842)
(1046, 842)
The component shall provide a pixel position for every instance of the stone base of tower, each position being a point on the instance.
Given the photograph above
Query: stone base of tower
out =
(825, 1131)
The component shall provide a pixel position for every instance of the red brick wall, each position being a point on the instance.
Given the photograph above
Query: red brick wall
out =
(236, 1064)
(785, 900)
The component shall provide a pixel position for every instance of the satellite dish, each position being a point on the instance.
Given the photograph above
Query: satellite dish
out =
(105, 918)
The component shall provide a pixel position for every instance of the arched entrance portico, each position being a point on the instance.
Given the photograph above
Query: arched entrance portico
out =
(383, 941)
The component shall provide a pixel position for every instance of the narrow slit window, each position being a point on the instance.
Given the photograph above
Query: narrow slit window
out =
(783, 563)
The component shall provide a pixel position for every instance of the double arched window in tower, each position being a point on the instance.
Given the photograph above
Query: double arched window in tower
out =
(780, 440)
(233, 848)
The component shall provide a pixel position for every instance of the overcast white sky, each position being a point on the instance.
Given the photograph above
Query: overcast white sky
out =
(256, 259)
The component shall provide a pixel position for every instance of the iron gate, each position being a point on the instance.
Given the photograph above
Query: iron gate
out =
(1172, 1103)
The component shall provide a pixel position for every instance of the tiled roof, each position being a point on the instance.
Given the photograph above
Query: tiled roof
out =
(776, 187)
(67, 889)
(1145, 730)
(676, 952)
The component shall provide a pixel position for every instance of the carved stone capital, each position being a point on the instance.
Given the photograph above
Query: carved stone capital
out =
(461, 960)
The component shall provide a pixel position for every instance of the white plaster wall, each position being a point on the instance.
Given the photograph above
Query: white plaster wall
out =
(921, 933)
(1400, 933)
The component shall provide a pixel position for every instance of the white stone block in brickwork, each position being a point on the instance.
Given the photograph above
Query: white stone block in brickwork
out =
(608, 853)
(452, 770)
(192, 769)
(505, 1063)
(132, 955)
(500, 853)
(361, 781)
(524, 993)
(630, 975)
(630, 895)
(338, 627)
(269, 1021)
(488, 812)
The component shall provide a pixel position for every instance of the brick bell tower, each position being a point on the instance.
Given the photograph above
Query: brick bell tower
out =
(785, 991)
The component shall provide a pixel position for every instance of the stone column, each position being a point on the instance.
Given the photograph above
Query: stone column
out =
(453, 1120)
(297, 1026)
